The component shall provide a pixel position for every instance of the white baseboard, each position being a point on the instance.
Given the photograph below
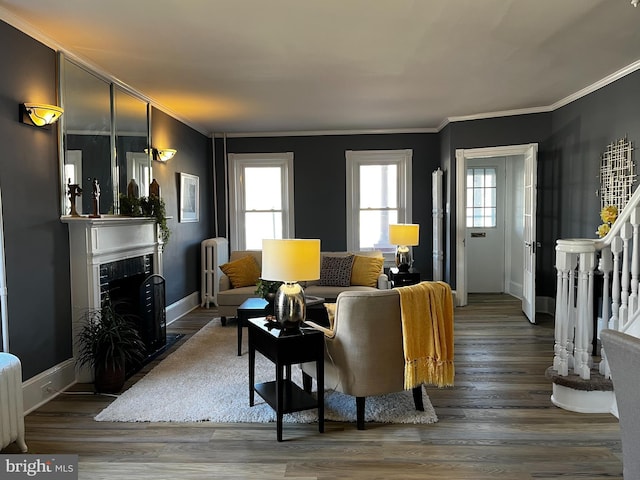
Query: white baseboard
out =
(182, 307)
(43, 387)
(47, 385)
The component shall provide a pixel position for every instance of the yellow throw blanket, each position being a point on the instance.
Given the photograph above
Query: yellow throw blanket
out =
(427, 333)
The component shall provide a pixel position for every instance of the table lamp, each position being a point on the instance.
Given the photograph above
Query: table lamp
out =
(404, 235)
(290, 261)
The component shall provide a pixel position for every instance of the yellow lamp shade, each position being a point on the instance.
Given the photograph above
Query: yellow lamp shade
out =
(406, 234)
(290, 260)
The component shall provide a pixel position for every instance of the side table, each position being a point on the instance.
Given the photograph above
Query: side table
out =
(285, 348)
(402, 279)
(259, 307)
(250, 308)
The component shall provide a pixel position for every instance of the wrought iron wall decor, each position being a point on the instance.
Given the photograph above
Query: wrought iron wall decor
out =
(617, 174)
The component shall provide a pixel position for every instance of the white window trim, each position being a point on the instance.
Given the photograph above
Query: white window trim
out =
(239, 161)
(356, 158)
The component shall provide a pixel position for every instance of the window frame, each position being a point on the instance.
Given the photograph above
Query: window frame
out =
(237, 163)
(402, 159)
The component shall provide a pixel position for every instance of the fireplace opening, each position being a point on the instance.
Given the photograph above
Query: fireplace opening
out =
(138, 293)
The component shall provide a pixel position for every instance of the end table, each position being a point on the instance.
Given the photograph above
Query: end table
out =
(402, 279)
(285, 348)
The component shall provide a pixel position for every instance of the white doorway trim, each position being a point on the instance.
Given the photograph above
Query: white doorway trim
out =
(462, 155)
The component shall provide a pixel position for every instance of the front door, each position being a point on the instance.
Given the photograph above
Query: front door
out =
(485, 233)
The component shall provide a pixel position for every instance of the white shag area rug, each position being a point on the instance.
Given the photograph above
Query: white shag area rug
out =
(205, 380)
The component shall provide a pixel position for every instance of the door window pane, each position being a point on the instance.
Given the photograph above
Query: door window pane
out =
(481, 197)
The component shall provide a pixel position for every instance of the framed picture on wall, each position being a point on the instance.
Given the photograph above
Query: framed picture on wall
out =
(189, 198)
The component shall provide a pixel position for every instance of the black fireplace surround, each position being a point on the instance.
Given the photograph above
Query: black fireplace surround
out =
(137, 292)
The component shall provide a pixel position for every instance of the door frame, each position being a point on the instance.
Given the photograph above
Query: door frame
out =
(462, 155)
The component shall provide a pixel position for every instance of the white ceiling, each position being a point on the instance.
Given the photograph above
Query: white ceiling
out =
(325, 65)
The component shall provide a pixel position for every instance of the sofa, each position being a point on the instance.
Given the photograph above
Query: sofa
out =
(244, 266)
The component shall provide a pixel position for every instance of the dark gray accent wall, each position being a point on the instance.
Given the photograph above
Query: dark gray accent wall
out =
(568, 205)
(182, 254)
(320, 182)
(36, 242)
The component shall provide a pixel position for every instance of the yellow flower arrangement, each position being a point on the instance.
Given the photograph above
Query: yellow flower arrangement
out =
(608, 214)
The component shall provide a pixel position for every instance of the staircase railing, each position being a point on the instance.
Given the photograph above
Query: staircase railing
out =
(616, 259)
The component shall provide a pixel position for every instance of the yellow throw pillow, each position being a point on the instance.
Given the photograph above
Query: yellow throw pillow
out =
(366, 270)
(243, 272)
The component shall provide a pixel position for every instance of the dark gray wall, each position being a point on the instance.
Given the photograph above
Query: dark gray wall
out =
(182, 254)
(36, 242)
(320, 182)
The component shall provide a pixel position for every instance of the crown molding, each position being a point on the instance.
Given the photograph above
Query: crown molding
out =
(312, 133)
(617, 75)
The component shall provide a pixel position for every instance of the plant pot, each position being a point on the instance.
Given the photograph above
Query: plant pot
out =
(109, 379)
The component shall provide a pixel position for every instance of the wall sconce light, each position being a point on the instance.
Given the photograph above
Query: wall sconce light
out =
(163, 154)
(39, 114)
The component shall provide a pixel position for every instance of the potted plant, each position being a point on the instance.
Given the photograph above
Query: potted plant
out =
(108, 342)
(267, 289)
(151, 206)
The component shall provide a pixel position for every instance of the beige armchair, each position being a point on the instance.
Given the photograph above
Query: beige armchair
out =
(364, 354)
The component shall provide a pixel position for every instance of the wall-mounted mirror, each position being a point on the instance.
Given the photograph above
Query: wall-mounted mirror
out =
(132, 148)
(105, 132)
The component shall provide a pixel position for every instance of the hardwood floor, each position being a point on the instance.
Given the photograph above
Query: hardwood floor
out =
(496, 423)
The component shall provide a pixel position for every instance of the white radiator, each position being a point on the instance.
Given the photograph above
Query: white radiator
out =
(214, 252)
(11, 405)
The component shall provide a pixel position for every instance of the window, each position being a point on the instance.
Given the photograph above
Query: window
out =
(481, 197)
(261, 198)
(378, 193)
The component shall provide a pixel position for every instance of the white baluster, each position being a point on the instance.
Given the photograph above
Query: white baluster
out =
(605, 266)
(584, 317)
(616, 249)
(635, 261)
(626, 233)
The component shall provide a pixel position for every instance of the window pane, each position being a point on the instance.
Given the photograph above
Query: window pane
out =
(481, 197)
(490, 177)
(378, 186)
(263, 187)
(374, 229)
(478, 177)
(260, 225)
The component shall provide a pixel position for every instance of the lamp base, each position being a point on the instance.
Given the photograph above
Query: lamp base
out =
(403, 258)
(289, 305)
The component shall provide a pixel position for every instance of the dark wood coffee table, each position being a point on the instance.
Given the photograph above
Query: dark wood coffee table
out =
(259, 307)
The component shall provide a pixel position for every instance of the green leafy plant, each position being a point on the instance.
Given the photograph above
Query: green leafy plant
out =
(151, 206)
(108, 341)
(267, 288)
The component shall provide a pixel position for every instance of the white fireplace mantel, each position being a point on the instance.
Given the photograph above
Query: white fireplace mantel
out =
(97, 241)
